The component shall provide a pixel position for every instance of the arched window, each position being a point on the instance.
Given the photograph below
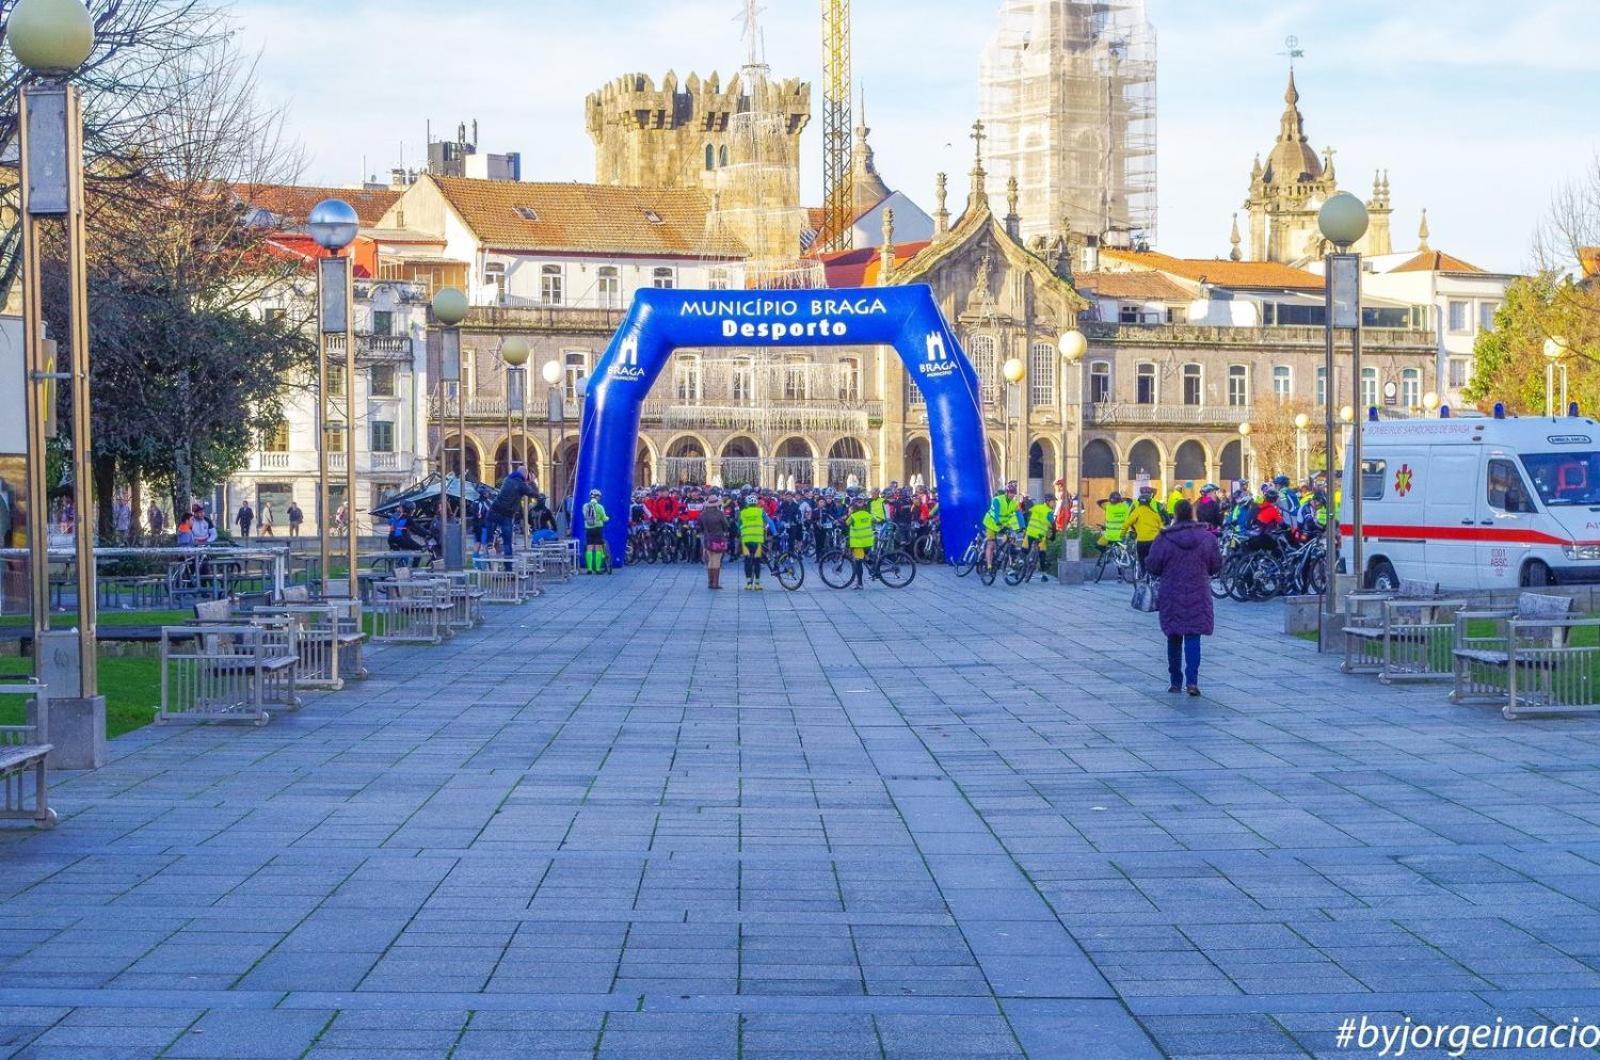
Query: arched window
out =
(797, 379)
(1145, 389)
(722, 156)
(687, 367)
(1282, 382)
(1100, 382)
(985, 360)
(1369, 391)
(608, 286)
(1322, 386)
(1042, 374)
(664, 278)
(1410, 388)
(1193, 388)
(1238, 386)
(742, 383)
(850, 380)
(711, 157)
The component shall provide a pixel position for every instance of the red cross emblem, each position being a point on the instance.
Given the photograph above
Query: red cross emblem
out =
(1402, 480)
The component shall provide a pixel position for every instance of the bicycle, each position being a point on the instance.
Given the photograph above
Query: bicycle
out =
(785, 565)
(1024, 565)
(972, 556)
(1006, 549)
(1119, 556)
(886, 563)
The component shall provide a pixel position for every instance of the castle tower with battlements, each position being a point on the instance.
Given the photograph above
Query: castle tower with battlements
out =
(676, 135)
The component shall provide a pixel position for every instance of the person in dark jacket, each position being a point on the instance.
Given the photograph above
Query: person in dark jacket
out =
(507, 503)
(1185, 556)
(542, 519)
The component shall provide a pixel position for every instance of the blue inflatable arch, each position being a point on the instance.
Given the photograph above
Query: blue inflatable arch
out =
(906, 318)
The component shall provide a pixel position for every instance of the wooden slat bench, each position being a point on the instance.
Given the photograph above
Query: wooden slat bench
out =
(1367, 623)
(1483, 663)
(25, 749)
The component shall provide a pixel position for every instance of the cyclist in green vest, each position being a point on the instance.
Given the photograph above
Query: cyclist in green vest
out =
(1117, 512)
(879, 508)
(595, 559)
(1002, 515)
(1040, 528)
(859, 528)
(752, 536)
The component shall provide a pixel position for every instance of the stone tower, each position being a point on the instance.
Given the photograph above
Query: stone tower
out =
(1287, 192)
(677, 135)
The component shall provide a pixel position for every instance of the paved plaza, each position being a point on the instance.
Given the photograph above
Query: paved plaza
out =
(636, 819)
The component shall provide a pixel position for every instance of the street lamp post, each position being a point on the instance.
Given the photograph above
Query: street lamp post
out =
(551, 373)
(1073, 345)
(515, 353)
(52, 39)
(333, 225)
(450, 309)
(1244, 452)
(1555, 356)
(1342, 221)
(1014, 371)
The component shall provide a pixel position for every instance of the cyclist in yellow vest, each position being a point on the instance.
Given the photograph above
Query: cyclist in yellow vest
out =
(1040, 528)
(1117, 511)
(595, 560)
(752, 536)
(1002, 515)
(858, 527)
(1179, 493)
(879, 508)
(1144, 523)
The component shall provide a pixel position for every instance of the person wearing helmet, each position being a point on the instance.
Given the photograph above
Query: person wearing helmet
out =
(1144, 523)
(752, 536)
(1117, 511)
(1208, 509)
(595, 559)
(1288, 499)
(1040, 527)
(1002, 515)
(860, 533)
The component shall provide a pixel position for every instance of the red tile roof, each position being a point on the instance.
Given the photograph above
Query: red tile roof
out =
(1220, 272)
(1435, 261)
(862, 267)
(294, 202)
(1133, 286)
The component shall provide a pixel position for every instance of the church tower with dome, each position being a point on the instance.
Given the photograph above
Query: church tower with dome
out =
(1287, 192)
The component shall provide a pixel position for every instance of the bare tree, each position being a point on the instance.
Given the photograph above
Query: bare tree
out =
(127, 79)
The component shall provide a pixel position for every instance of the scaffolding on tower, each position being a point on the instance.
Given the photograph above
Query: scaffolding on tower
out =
(837, 200)
(1068, 94)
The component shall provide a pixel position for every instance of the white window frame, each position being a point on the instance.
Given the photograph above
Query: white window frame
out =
(608, 286)
(1042, 374)
(1320, 395)
(1450, 316)
(1142, 371)
(1108, 393)
(372, 438)
(552, 285)
(1370, 386)
(1199, 376)
(1411, 388)
(664, 277)
(688, 378)
(574, 364)
(850, 380)
(1239, 396)
(1285, 373)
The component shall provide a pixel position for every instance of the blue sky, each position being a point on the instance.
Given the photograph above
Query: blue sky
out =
(1477, 108)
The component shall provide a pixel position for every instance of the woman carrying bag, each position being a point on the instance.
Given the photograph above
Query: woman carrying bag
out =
(1184, 557)
(714, 527)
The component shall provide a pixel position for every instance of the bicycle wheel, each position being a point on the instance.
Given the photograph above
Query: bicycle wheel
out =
(836, 569)
(1017, 570)
(989, 571)
(1222, 583)
(1128, 567)
(896, 569)
(789, 568)
(970, 560)
(1100, 566)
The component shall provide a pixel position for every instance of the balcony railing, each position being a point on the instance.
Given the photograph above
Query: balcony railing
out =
(771, 418)
(1421, 340)
(1119, 413)
(395, 349)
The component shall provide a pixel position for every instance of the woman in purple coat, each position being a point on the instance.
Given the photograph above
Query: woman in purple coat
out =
(1184, 557)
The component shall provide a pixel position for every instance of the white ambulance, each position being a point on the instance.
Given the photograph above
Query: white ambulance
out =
(1478, 503)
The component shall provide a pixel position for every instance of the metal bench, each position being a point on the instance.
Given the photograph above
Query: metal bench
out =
(498, 578)
(216, 672)
(412, 610)
(26, 749)
(1483, 664)
(280, 641)
(1367, 626)
(557, 559)
(331, 637)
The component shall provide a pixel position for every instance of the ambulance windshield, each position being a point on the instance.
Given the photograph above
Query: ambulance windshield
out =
(1569, 479)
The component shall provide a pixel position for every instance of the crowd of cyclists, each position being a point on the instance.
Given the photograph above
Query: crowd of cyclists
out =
(1273, 538)
(664, 521)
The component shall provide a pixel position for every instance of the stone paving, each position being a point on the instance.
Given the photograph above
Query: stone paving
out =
(634, 819)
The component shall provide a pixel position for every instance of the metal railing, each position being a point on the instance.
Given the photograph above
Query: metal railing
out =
(1115, 413)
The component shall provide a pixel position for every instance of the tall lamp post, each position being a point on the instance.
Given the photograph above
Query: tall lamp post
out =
(1014, 372)
(1555, 356)
(333, 225)
(52, 39)
(1073, 346)
(515, 353)
(449, 310)
(1342, 221)
(1244, 453)
(551, 373)
(1302, 454)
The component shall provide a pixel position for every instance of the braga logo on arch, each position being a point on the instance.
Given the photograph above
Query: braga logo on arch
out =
(778, 319)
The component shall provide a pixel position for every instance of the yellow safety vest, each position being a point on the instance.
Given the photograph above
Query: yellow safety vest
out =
(859, 524)
(1116, 518)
